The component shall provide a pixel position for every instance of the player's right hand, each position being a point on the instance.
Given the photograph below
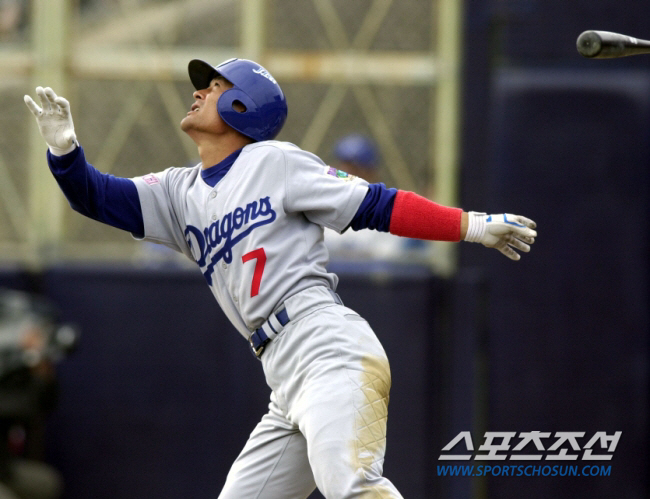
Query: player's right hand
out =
(54, 121)
(504, 232)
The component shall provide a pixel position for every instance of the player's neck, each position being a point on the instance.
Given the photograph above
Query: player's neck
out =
(212, 152)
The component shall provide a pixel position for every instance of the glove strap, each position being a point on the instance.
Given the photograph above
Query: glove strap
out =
(476, 226)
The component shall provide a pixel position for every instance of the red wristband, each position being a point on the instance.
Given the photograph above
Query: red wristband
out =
(416, 217)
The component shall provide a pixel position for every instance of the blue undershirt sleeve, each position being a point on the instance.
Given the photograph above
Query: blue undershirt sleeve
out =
(100, 196)
(376, 209)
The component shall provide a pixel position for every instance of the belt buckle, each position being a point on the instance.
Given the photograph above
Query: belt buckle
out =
(259, 350)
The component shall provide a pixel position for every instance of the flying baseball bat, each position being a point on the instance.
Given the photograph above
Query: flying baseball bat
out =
(607, 45)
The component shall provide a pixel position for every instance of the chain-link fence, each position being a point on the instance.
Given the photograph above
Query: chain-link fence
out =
(128, 119)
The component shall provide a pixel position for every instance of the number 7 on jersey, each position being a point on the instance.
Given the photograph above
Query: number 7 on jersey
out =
(260, 256)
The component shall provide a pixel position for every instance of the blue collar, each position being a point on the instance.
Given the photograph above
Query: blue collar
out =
(212, 175)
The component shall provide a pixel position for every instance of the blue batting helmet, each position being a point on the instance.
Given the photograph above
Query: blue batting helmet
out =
(253, 87)
(357, 149)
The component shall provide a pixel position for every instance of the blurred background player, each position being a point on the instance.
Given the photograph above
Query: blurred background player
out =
(358, 155)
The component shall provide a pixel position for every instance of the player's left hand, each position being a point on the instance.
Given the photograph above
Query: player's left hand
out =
(504, 232)
(54, 120)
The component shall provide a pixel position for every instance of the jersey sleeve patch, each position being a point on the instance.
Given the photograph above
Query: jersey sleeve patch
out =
(339, 173)
(151, 179)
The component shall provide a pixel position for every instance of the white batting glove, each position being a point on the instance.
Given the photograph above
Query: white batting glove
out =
(503, 232)
(54, 121)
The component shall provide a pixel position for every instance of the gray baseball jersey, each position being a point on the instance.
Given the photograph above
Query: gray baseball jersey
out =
(258, 234)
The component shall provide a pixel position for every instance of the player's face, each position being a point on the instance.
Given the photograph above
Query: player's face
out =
(203, 116)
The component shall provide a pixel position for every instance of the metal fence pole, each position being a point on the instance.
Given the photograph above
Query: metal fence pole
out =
(445, 138)
(49, 51)
(253, 29)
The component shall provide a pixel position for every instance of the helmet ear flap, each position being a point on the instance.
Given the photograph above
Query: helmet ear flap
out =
(236, 109)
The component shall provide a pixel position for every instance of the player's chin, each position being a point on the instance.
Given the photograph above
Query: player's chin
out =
(186, 123)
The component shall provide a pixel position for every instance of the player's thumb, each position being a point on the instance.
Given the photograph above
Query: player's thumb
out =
(69, 137)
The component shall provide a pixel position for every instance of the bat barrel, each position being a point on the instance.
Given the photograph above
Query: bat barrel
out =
(589, 44)
(607, 45)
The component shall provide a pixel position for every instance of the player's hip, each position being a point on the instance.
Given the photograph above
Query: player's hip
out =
(326, 339)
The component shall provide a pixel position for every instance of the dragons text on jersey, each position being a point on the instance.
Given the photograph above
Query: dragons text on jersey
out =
(227, 230)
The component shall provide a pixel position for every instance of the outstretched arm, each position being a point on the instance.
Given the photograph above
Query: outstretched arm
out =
(108, 199)
(407, 214)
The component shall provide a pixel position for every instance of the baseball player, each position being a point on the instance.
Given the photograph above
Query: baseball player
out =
(358, 155)
(251, 215)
